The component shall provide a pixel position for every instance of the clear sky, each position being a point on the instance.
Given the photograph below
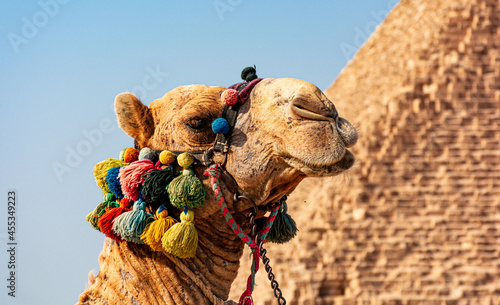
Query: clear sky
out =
(62, 62)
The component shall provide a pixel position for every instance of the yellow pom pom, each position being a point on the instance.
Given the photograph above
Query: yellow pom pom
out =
(167, 157)
(189, 216)
(161, 214)
(181, 239)
(185, 160)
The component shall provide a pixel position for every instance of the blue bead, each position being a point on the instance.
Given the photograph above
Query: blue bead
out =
(220, 126)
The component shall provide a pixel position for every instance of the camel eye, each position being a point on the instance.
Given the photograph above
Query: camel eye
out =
(196, 124)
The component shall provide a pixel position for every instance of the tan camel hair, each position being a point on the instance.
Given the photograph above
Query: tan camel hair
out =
(286, 131)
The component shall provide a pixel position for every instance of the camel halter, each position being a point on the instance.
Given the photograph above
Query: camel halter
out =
(149, 176)
(234, 97)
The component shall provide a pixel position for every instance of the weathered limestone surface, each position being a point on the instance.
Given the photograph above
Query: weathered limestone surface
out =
(417, 220)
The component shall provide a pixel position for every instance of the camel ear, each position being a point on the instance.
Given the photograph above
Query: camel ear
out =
(134, 118)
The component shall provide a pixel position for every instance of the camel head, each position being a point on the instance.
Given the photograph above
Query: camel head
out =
(286, 131)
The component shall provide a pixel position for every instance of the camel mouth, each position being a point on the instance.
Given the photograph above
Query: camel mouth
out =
(312, 111)
(345, 163)
(313, 169)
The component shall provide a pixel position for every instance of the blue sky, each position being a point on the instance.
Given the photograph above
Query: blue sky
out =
(61, 65)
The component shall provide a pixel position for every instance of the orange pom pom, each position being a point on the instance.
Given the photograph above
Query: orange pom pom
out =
(131, 155)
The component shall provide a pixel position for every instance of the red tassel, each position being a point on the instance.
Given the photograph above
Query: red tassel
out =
(246, 298)
(106, 220)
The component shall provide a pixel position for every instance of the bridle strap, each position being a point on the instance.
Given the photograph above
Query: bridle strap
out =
(222, 142)
(230, 113)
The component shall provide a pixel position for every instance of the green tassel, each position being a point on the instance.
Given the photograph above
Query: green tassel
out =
(108, 203)
(186, 190)
(130, 225)
(284, 227)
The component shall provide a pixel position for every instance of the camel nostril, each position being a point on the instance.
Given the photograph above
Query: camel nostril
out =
(347, 132)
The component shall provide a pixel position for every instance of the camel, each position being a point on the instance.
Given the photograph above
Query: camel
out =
(286, 131)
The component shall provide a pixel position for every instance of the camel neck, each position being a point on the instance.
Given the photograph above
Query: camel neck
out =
(132, 273)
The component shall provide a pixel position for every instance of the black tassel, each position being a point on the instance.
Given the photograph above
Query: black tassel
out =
(154, 189)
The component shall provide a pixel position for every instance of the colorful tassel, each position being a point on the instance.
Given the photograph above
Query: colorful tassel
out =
(284, 227)
(181, 239)
(155, 230)
(246, 298)
(130, 225)
(106, 220)
(108, 203)
(154, 189)
(113, 182)
(186, 190)
(101, 170)
(131, 177)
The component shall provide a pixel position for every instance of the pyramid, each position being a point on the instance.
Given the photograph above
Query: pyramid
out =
(417, 220)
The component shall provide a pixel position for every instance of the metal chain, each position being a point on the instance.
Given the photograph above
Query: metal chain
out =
(265, 260)
(270, 275)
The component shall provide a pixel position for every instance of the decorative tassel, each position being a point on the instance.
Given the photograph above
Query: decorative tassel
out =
(154, 189)
(131, 177)
(186, 190)
(130, 225)
(101, 170)
(155, 230)
(181, 239)
(93, 217)
(113, 182)
(246, 298)
(284, 227)
(106, 220)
